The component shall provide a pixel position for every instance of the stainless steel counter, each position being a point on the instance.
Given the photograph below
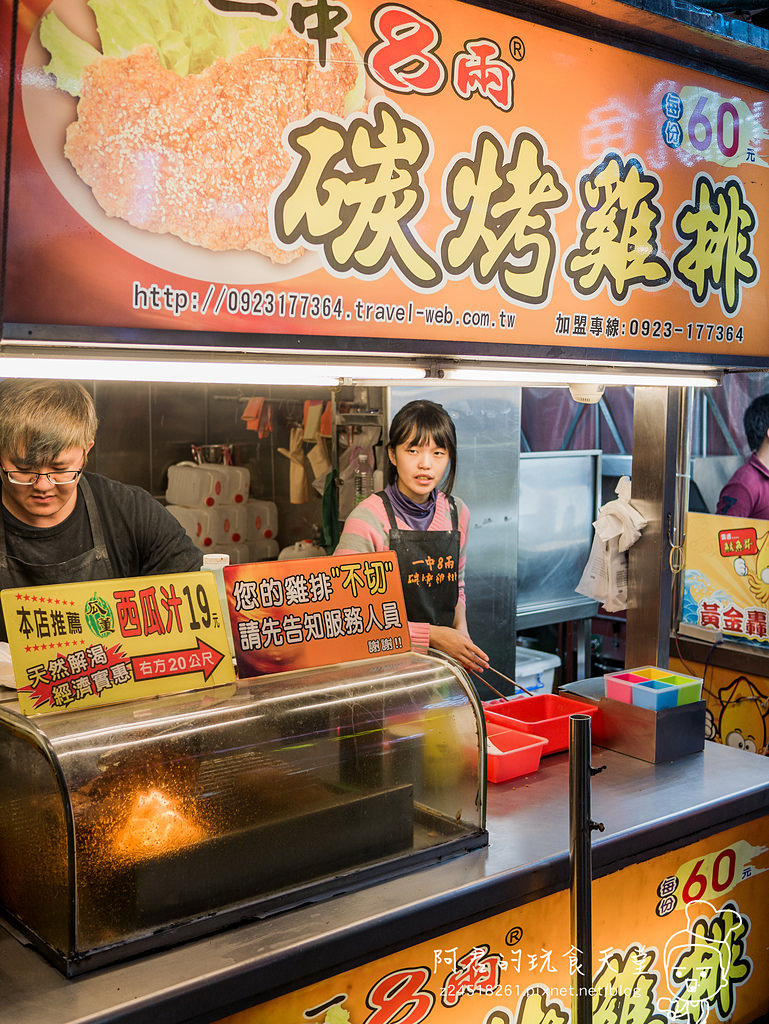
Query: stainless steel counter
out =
(644, 807)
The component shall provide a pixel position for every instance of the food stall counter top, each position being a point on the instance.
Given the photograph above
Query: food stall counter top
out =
(644, 807)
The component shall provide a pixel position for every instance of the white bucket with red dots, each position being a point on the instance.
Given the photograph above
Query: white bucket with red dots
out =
(235, 522)
(191, 485)
(232, 484)
(206, 526)
(262, 520)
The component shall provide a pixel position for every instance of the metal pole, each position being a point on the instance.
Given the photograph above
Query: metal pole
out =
(580, 868)
(681, 505)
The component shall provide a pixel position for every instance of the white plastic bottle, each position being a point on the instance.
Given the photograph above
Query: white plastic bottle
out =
(362, 478)
(215, 563)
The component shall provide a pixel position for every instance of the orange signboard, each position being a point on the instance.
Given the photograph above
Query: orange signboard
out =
(79, 645)
(387, 172)
(689, 947)
(299, 613)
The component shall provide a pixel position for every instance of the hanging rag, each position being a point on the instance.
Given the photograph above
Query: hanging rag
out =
(330, 530)
(258, 416)
(617, 528)
(326, 426)
(320, 464)
(313, 411)
(299, 490)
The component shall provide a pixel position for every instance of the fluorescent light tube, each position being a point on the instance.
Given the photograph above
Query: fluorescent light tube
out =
(563, 378)
(203, 371)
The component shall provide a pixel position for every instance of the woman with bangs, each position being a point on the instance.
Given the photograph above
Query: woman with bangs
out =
(418, 518)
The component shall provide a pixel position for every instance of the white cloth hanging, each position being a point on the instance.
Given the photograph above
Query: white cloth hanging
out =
(617, 528)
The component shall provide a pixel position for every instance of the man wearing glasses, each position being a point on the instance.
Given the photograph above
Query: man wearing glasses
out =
(60, 524)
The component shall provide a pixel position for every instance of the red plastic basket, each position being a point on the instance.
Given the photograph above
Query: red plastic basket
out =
(519, 752)
(546, 715)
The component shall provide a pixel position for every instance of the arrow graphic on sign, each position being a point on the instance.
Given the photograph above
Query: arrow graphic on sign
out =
(202, 658)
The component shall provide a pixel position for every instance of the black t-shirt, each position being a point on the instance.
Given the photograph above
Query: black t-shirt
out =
(141, 536)
(49, 545)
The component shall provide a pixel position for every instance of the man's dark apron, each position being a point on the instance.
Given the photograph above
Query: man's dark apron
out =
(90, 565)
(429, 567)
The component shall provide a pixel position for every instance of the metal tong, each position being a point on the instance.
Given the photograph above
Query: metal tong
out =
(516, 686)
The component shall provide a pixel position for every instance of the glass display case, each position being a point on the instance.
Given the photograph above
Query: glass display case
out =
(131, 827)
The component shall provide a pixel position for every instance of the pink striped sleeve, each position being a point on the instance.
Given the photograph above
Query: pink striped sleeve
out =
(366, 529)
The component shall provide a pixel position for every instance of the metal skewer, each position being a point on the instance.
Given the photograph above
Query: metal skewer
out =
(511, 681)
(506, 679)
(487, 683)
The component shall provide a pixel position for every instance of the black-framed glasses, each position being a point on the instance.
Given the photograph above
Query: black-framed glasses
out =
(22, 478)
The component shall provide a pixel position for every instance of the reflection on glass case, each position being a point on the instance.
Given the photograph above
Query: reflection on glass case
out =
(131, 827)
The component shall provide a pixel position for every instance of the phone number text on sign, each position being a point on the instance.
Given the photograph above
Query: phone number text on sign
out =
(308, 306)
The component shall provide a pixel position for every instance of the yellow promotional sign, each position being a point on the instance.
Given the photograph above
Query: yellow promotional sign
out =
(689, 946)
(726, 577)
(78, 645)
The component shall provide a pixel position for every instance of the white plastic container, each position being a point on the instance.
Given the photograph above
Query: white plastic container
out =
(232, 484)
(243, 477)
(235, 522)
(189, 519)
(535, 669)
(262, 520)
(206, 526)
(302, 549)
(191, 485)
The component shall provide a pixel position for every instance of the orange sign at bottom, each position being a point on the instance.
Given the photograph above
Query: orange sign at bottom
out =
(690, 946)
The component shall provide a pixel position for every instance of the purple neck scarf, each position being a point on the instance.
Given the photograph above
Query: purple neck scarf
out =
(416, 517)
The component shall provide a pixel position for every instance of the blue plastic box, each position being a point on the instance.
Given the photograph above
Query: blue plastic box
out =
(654, 694)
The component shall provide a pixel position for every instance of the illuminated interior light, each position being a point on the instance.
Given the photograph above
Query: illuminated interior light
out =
(204, 371)
(545, 377)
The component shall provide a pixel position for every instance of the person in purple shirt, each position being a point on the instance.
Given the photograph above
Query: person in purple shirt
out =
(746, 494)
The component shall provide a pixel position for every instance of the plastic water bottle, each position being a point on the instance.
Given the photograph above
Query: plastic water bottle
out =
(215, 563)
(362, 478)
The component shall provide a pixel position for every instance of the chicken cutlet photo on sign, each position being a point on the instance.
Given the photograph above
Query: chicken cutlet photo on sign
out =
(180, 115)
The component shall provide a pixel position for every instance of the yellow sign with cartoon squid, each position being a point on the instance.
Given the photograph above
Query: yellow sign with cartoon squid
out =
(726, 590)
